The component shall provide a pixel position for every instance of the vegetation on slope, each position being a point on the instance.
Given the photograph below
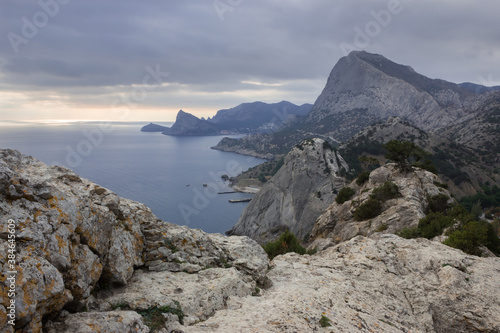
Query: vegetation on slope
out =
(286, 243)
(463, 230)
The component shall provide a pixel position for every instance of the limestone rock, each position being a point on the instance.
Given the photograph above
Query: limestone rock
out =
(170, 247)
(296, 195)
(199, 295)
(338, 223)
(370, 88)
(73, 235)
(102, 322)
(388, 284)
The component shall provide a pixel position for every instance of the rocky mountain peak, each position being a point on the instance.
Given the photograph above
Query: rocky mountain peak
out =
(297, 194)
(188, 124)
(364, 88)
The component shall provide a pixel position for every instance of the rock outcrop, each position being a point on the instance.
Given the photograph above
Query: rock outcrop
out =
(389, 284)
(371, 88)
(296, 195)
(411, 204)
(188, 125)
(153, 128)
(90, 261)
(75, 238)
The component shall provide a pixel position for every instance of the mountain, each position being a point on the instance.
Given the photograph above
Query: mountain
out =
(87, 260)
(186, 125)
(244, 118)
(153, 128)
(296, 195)
(258, 116)
(478, 88)
(464, 159)
(364, 88)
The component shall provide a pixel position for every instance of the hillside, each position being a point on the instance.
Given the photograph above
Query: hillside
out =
(364, 89)
(254, 117)
(296, 195)
(90, 261)
(463, 165)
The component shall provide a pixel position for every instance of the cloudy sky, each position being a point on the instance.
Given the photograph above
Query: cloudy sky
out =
(135, 60)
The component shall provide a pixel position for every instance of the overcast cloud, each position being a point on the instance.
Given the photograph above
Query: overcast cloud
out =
(85, 58)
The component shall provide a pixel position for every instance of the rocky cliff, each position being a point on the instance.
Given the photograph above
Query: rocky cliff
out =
(90, 261)
(379, 285)
(403, 209)
(363, 89)
(297, 194)
(76, 242)
(370, 88)
(187, 124)
(244, 118)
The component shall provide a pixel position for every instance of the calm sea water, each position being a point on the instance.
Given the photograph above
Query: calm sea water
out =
(165, 173)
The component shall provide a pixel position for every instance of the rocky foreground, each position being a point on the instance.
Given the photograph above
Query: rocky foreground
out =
(90, 261)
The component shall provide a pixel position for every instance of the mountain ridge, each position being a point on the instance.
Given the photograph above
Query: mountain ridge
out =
(255, 117)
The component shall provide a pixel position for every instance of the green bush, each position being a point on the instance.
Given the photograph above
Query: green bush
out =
(363, 177)
(344, 194)
(371, 208)
(409, 233)
(438, 203)
(472, 235)
(153, 316)
(286, 243)
(433, 224)
(385, 192)
(324, 321)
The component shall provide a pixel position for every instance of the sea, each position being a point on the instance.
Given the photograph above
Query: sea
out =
(179, 178)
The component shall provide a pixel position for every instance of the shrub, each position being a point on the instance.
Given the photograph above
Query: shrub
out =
(438, 203)
(286, 243)
(344, 194)
(442, 185)
(324, 321)
(472, 235)
(433, 224)
(385, 192)
(363, 178)
(153, 316)
(405, 154)
(409, 233)
(371, 208)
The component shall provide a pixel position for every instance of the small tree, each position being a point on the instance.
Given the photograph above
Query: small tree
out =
(344, 194)
(404, 154)
(368, 163)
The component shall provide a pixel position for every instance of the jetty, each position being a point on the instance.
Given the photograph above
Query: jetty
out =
(240, 200)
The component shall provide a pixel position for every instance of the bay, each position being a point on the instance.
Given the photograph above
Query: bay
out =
(165, 173)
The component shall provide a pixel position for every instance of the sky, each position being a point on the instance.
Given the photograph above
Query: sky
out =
(131, 60)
